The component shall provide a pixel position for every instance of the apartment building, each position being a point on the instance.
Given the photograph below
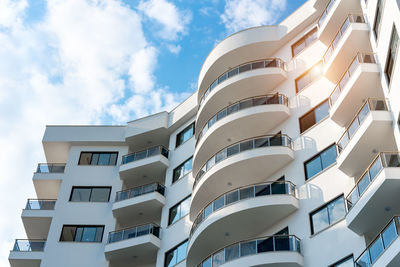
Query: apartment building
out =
(286, 155)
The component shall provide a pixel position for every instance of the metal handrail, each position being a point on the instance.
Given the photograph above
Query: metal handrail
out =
(351, 18)
(50, 168)
(202, 215)
(139, 191)
(220, 256)
(382, 242)
(42, 204)
(357, 60)
(285, 140)
(142, 154)
(358, 119)
(325, 12)
(269, 99)
(126, 233)
(29, 245)
(369, 175)
(279, 63)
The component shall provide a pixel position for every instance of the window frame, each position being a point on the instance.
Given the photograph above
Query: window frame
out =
(98, 152)
(389, 53)
(303, 40)
(82, 226)
(91, 190)
(305, 74)
(378, 9)
(174, 206)
(180, 166)
(191, 125)
(313, 110)
(325, 206)
(351, 256)
(318, 155)
(172, 250)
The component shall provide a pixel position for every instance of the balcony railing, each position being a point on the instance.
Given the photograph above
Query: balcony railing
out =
(50, 168)
(259, 64)
(243, 193)
(332, 47)
(134, 232)
(139, 191)
(276, 243)
(40, 204)
(269, 99)
(325, 13)
(372, 104)
(241, 146)
(377, 247)
(359, 59)
(158, 150)
(382, 160)
(29, 245)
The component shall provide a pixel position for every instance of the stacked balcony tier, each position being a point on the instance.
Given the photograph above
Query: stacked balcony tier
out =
(47, 179)
(27, 253)
(37, 217)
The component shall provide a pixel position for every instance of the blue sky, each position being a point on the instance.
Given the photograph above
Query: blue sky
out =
(99, 62)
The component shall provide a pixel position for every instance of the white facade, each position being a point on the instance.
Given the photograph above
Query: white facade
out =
(289, 134)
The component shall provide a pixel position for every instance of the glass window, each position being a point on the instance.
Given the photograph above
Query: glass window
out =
(179, 210)
(378, 17)
(176, 255)
(182, 170)
(309, 77)
(327, 215)
(98, 158)
(184, 135)
(90, 194)
(390, 61)
(314, 116)
(320, 161)
(79, 233)
(346, 262)
(304, 42)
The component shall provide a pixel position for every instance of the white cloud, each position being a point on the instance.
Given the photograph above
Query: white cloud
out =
(87, 60)
(241, 14)
(174, 49)
(173, 21)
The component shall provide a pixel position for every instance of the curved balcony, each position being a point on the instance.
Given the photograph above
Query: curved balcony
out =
(47, 179)
(358, 144)
(255, 158)
(27, 253)
(376, 192)
(255, 116)
(361, 80)
(144, 201)
(248, 79)
(146, 164)
(277, 250)
(353, 34)
(332, 17)
(37, 217)
(384, 250)
(141, 241)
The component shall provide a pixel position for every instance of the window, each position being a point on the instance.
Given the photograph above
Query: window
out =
(82, 233)
(394, 42)
(98, 158)
(308, 77)
(327, 215)
(304, 42)
(179, 210)
(314, 116)
(346, 262)
(182, 170)
(90, 194)
(321, 161)
(185, 135)
(176, 255)
(378, 17)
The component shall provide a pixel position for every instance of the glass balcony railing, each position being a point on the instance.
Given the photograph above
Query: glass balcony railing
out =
(372, 104)
(253, 191)
(50, 168)
(377, 247)
(259, 64)
(359, 59)
(134, 232)
(241, 146)
(334, 44)
(276, 243)
(270, 99)
(29, 245)
(40, 204)
(139, 191)
(158, 150)
(382, 160)
(325, 13)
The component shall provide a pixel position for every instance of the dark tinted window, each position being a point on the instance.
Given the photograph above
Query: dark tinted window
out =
(314, 116)
(90, 194)
(320, 161)
(185, 135)
(176, 255)
(98, 158)
(346, 262)
(391, 57)
(82, 233)
(378, 17)
(179, 210)
(182, 170)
